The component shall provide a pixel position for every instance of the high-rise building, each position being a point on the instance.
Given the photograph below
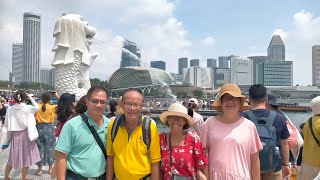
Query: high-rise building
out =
(177, 78)
(158, 64)
(17, 63)
(275, 73)
(183, 63)
(211, 63)
(221, 76)
(130, 54)
(194, 62)
(31, 46)
(241, 71)
(198, 76)
(316, 65)
(45, 76)
(276, 49)
(51, 77)
(256, 60)
(224, 61)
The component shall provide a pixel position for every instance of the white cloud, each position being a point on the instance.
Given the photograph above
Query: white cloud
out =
(151, 24)
(281, 32)
(208, 41)
(300, 39)
(167, 42)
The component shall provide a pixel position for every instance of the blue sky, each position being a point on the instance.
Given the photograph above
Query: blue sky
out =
(167, 30)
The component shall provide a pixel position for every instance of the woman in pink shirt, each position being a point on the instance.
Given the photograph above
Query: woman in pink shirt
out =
(232, 142)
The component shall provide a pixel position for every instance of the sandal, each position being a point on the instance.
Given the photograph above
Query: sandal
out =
(38, 173)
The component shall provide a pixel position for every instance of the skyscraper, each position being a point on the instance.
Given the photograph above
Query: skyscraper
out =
(45, 76)
(241, 71)
(316, 65)
(194, 62)
(31, 46)
(223, 61)
(130, 54)
(183, 63)
(211, 63)
(255, 61)
(276, 49)
(158, 64)
(17, 63)
(275, 73)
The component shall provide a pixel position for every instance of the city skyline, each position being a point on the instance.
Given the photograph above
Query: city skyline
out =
(169, 30)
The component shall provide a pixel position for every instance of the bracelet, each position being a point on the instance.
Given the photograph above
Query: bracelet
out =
(285, 164)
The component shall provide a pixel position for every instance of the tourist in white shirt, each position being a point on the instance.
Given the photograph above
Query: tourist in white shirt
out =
(23, 152)
(193, 106)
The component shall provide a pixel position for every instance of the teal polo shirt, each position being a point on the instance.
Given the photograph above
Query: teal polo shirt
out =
(84, 154)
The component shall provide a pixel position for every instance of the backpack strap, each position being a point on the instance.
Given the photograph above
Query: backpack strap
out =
(115, 126)
(146, 133)
(262, 120)
(95, 135)
(312, 132)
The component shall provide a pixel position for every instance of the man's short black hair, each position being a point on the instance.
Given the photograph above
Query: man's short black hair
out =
(257, 92)
(96, 88)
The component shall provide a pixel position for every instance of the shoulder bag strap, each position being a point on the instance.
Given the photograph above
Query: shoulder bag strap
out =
(311, 129)
(95, 135)
(146, 134)
(172, 175)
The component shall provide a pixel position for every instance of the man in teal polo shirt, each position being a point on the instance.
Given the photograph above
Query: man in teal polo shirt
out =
(78, 154)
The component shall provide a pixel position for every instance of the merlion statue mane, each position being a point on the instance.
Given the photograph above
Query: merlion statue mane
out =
(72, 59)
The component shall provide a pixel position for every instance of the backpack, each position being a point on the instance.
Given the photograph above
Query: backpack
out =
(146, 132)
(270, 154)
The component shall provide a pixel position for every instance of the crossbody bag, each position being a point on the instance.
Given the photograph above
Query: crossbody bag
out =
(175, 176)
(95, 134)
(311, 129)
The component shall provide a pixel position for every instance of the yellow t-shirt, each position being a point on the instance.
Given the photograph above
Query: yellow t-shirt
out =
(47, 116)
(310, 147)
(131, 154)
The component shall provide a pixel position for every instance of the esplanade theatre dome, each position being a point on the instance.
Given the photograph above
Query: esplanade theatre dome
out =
(136, 76)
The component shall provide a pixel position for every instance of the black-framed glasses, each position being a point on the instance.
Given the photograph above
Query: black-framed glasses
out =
(96, 101)
(132, 105)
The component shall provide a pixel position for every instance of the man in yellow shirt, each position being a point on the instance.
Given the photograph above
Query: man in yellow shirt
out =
(127, 154)
(310, 166)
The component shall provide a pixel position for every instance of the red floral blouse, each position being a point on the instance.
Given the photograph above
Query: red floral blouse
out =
(185, 159)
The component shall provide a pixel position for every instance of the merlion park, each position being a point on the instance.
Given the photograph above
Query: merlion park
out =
(153, 91)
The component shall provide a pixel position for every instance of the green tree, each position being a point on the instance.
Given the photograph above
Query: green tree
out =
(198, 93)
(96, 81)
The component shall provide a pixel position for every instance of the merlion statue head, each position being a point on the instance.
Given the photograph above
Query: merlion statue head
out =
(72, 33)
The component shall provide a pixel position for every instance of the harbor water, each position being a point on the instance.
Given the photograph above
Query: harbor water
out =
(297, 117)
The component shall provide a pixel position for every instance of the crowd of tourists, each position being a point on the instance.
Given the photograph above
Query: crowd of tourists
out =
(244, 141)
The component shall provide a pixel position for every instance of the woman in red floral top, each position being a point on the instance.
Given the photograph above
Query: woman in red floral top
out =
(181, 150)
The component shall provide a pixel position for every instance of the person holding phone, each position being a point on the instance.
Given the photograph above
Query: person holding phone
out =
(23, 152)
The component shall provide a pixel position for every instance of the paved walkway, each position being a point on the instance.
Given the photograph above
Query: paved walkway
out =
(16, 173)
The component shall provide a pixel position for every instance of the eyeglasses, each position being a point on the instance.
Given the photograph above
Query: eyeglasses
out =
(96, 101)
(134, 106)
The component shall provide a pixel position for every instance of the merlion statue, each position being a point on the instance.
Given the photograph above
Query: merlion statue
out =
(72, 58)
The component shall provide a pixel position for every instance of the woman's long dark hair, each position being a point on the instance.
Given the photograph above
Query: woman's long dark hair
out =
(20, 96)
(65, 107)
(45, 98)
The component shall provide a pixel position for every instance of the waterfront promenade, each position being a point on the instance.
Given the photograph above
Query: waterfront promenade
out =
(15, 173)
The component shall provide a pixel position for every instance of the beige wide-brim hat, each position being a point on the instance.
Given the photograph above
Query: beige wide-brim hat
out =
(234, 91)
(176, 109)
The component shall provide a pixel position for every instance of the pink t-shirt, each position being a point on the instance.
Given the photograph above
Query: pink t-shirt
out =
(229, 148)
